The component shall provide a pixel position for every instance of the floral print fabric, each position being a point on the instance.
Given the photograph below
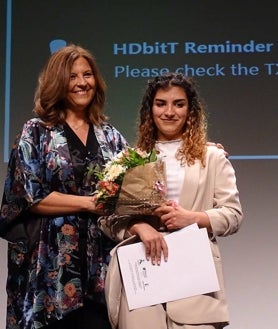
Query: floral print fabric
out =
(44, 283)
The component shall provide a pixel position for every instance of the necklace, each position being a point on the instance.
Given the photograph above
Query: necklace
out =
(75, 128)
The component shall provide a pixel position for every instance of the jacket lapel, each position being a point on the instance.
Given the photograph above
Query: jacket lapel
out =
(103, 143)
(190, 185)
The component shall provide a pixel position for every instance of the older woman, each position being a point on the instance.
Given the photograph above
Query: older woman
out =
(57, 264)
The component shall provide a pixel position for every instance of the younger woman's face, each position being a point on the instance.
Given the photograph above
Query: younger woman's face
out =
(170, 108)
(82, 85)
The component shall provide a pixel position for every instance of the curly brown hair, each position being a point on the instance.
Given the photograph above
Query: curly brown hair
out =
(194, 135)
(53, 84)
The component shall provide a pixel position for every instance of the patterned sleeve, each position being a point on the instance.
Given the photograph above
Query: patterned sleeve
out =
(114, 226)
(115, 139)
(23, 184)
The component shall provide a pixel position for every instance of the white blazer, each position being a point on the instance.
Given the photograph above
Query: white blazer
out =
(211, 189)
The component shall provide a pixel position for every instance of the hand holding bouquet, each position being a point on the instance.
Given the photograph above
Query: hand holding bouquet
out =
(131, 183)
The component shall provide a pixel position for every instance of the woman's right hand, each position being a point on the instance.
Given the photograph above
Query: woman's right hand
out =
(155, 244)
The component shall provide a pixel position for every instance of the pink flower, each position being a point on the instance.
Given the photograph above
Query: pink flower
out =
(110, 187)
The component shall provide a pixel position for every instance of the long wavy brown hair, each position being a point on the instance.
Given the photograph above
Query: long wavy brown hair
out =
(194, 135)
(53, 84)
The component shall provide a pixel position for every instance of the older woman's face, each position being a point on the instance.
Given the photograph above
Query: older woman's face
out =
(82, 85)
(170, 108)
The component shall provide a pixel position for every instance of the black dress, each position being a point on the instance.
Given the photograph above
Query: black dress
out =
(94, 313)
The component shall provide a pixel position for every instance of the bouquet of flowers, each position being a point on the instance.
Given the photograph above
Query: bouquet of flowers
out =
(131, 183)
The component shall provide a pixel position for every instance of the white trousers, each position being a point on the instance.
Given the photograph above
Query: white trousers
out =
(153, 317)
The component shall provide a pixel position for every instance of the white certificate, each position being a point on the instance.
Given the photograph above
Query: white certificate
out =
(189, 271)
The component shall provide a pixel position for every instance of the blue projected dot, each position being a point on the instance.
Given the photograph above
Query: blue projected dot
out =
(56, 44)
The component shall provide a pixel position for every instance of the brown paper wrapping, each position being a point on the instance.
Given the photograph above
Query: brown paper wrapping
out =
(140, 192)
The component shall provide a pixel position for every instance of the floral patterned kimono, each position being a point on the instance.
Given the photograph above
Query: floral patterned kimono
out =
(51, 278)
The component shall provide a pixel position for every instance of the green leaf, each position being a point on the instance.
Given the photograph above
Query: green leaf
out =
(153, 156)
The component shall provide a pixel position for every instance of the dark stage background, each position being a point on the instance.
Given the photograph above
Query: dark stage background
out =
(229, 47)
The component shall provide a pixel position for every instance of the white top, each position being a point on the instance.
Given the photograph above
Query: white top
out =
(174, 169)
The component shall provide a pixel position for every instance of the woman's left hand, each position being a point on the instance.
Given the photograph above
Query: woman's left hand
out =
(175, 217)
